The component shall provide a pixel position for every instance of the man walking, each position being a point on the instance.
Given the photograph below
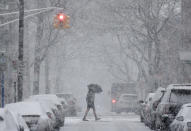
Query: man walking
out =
(90, 104)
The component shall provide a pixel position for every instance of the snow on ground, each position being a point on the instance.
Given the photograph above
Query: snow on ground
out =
(123, 122)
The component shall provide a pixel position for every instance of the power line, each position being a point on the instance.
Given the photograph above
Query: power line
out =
(1, 25)
(24, 18)
(26, 11)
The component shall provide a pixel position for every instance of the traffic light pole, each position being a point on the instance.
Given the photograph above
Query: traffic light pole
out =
(2, 89)
(21, 50)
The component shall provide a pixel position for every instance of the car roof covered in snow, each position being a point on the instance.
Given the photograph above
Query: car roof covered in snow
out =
(126, 94)
(25, 108)
(187, 105)
(179, 86)
(151, 95)
(161, 89)
(46, 105)
(51, 97)
(66, 93)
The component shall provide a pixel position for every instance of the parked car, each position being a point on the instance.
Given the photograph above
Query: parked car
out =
(52, 99)
(147, 108)
(49, 108)
(11, 122)
(175, 96)
(127, 103)
(156, 99)
(71, 103)
(35, 118)
(182, 122)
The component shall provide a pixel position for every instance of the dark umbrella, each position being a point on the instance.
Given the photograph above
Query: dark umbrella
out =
(95, 88)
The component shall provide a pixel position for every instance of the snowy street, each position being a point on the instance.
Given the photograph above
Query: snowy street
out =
(95, 65)
(107, 123)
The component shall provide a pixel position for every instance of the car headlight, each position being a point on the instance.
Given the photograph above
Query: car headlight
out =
(189, 124)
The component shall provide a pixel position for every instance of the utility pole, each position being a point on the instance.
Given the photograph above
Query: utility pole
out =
(3, 68)
(21, 50)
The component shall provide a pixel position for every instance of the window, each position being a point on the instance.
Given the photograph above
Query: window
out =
(180, 96)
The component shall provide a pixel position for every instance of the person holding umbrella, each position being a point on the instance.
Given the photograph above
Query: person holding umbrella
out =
(92, 89)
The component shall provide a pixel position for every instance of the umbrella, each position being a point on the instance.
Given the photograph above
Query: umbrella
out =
(95, 88)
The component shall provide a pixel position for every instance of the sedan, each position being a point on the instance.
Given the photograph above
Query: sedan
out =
(182, 122)
(32, 113)
(11, 122)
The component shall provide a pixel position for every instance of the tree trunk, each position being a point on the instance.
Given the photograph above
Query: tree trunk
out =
(36, 81)
(37, 63)
(58, 71)
(21, 49)
(47, 68)
(59, 66)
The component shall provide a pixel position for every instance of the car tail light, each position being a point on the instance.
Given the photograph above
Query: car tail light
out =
(113, 101)
(49, 115)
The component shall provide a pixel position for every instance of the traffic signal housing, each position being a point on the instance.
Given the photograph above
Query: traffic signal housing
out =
(62, 21)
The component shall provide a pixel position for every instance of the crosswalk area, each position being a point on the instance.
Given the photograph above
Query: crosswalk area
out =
(128, 122)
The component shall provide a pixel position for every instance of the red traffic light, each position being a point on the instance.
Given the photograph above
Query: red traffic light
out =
(61, 20)
(61, 17)
(114, 101)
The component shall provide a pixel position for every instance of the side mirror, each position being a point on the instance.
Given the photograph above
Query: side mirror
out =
(180, 118)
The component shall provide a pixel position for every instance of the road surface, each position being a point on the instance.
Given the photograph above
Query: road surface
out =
(129, 122)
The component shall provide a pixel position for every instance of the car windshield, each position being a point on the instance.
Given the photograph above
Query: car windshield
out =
(180, 96)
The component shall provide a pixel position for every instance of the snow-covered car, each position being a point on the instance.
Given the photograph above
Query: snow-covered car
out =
(156, 99)
(127, 103)
(147, 107)
(33, 114)
(182, 122)
(48, 107)
(11, 122)
(52, 99)
(175, 96)
(71, 103)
